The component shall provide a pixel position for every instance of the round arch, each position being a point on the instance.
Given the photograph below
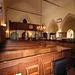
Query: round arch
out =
(14, 36)
(25, 35)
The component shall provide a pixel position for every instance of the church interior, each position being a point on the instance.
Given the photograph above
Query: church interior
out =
(37, 37)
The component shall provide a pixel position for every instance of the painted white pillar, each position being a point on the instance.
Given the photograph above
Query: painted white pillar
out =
(60, 36)
(48, 34)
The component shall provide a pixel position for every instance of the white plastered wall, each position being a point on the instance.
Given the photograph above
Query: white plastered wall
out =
(18, 16)
(61, 12)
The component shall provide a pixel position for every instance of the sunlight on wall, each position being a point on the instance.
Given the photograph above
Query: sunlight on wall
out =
(70, 33)
(30, 34)
(7, 31)
(57, 33)
(4, 24)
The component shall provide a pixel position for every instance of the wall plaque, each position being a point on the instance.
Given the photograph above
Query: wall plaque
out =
(30, 26)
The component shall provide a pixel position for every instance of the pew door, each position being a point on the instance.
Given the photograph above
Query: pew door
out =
(47, 65)
(31, 67)
(34, 68)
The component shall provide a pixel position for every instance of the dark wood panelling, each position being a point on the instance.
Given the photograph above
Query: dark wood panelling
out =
(22, 26)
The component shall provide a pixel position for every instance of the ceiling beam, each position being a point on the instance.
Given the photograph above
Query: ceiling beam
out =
(24, 11)
(52, 3)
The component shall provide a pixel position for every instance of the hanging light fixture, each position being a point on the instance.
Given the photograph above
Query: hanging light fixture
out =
(4, 25)
(44, 27)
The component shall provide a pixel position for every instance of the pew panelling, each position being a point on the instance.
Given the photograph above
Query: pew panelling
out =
(47, 65)
(9, 70)
(40, 64)
(31, 61)
(19, 66)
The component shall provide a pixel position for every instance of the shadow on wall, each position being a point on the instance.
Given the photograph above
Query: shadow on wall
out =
(69, 17)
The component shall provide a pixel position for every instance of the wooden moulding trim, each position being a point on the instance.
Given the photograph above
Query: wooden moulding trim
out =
(46, 56)
(8, 66)
(47, 62)
(30, 61)
(33, 66)
(57, 53)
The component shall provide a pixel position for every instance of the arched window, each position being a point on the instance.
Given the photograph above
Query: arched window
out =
(70, 33)
(14, 36)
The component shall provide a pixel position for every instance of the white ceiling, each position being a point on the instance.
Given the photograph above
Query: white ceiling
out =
(46, 7)
(60, 2)
(1, 1)
(35, 4)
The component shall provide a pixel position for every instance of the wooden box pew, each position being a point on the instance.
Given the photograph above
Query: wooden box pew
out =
(9, 55)
(14, 48)
(20, 42)
(71, 45)
(41, 64)
(23, 46)
(63, 44)
(60, 43)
